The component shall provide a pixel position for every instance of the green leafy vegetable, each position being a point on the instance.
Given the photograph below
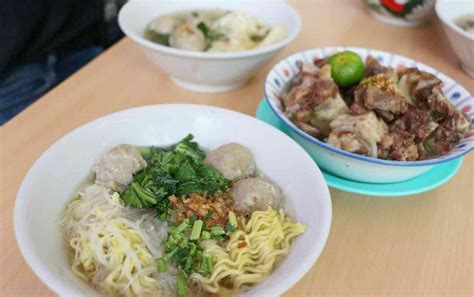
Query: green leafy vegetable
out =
(206, 264)
(181, 284)
(163, 39)
(162, 266)
(211, 35)
(233, 219)
(153, 36)
(183, 251)
(177, 170)
(229, 228)
(203, 27)
(196, 232)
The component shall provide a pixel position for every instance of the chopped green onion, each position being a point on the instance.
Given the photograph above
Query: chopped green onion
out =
(184, 224)
(162, 267)
(163, 39)
(143, 193)
(145, 151)
(192, 219)
(203, 27)
(196, 232)
(213, 36)
(170, 254)
(206, 264)
(221, 237)
(217, 231)
(205, 235)
(233, 219)
(189, 262)
(181, 284)
(229, 228)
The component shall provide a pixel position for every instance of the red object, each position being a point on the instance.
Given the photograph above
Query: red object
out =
(286, 72)
(393, 5)
(466, 108)
(469, 135)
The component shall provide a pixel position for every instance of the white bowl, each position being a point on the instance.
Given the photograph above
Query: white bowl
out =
(461, 42)
(53, 179)
(353, 166)
(205, 71)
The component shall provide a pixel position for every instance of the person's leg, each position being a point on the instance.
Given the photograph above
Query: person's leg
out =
(28, 82)
(24, 85)
(70, 61)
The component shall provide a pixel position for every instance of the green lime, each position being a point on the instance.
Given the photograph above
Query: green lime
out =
(347, 68)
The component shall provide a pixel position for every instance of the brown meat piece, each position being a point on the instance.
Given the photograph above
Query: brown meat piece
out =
(313, 131)
(310, 93)
(415, 122)
(303, 115)
(401, 147)
(373, 67)
(320, 90)
(458, 122)
(440, 142)
(377, 99)
(432, 99)
(310, 89)
(368, 98)
(416, 80)
(424, 90)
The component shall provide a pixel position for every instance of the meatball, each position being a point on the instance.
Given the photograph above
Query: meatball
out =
(252, 194)
(164, 24)
(188, 38)
(233, 160)
(117, 166)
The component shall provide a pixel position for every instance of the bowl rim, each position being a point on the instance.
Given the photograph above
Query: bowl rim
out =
(450, 22)
(338, 151)
(207, 55)
(49, 279)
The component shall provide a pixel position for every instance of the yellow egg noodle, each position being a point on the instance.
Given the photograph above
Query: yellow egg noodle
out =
(114, 246)
(251, 253)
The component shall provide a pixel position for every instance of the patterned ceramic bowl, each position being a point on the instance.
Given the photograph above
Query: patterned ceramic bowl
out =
(404, 13)
(358, 167)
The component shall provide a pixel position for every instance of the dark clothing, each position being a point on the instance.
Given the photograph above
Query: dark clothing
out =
(42, 42)
(29, 29)
(27, 82)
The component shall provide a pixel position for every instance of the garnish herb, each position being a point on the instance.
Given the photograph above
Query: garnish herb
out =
(181, 284)
(178, 170)
(211, 35)
(162, 266)
(183, 251)
(196, 232)
(162, 39)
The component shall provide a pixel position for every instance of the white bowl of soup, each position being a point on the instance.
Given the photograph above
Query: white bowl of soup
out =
(74, 222)
(458, 24)
(210, 46)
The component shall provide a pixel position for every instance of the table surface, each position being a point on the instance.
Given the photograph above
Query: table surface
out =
(420, 244)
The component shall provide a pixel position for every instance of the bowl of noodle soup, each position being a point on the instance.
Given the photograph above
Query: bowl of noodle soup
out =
(74, 225)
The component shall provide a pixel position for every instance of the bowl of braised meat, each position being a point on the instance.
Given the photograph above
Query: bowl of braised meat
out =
(396, 122)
